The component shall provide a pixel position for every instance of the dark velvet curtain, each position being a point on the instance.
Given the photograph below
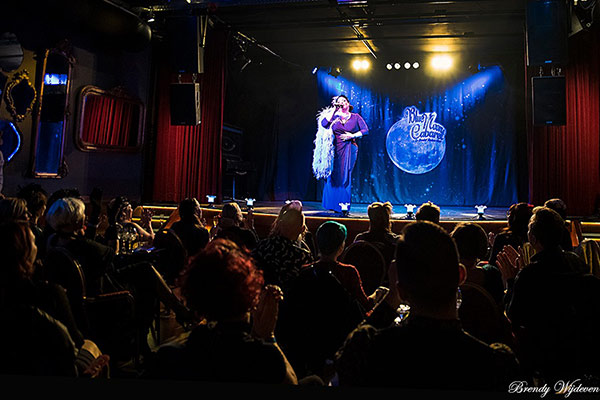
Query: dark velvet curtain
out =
(564, 161)
(108, 121)
(188, 158)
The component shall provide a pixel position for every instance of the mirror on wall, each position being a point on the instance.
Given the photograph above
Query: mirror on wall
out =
(50, 119)
(109, 120)
(20, 95)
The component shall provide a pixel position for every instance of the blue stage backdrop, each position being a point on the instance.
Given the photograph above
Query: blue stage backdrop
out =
(452, 143)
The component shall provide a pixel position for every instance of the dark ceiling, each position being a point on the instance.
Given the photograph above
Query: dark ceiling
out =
(310, 32)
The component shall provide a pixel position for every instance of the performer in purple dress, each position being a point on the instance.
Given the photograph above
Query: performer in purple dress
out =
(336, 151)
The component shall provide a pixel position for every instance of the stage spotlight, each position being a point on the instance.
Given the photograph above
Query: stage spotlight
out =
(335, 71)
(410, 210)
(442, 62)
(345, 209)
(480, 211)
(211, 200)
(416, 65)
(314, 71)
(406, 65)
(389, 67)
(397, 65)
(360, 64)
(250, 203)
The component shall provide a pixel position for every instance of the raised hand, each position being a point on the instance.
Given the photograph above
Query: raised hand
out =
(510, 262)
(264, 316)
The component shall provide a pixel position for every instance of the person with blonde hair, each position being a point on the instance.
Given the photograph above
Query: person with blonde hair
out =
(279, 255)
(232, 226)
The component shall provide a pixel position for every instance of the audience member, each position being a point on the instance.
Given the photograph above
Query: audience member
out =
(237, 344)
(428, 212)
(428, 349)
(190, 228)
(122, 231)
(306, 239)
(472, 244)
(279, 256)
(35, 197)
(515, 234)
(41, 337)
(47, 230)
(553, 305)
(232, 226)
(13, 208)
(380, 229)
(325, 302)
(479, 316)
(560, 207)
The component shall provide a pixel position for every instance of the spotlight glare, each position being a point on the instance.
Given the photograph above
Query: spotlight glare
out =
(407, 65)
(416, 65)
(397, 65)
(389, 67)
(365, 64)
(441, 62)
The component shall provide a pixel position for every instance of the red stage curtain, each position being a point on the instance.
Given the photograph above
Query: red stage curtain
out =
(188, 158)
(107, 121)
(564, 161)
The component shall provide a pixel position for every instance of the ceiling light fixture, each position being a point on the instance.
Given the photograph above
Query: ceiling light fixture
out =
(441, 62)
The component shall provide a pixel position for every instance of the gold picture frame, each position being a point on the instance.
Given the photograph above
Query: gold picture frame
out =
(18, 79)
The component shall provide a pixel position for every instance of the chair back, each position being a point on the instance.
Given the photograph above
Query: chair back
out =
(108, 319)
(369, 262)
(482, 317)
(171, 255)
(589, 251)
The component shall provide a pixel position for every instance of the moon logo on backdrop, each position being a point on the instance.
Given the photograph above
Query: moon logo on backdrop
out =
(416, 143)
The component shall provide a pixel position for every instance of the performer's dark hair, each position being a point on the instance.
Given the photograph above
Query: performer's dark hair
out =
(347, 99)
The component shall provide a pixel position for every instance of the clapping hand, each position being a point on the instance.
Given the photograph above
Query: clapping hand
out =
(146, 218)
(510, 262)
(264, 316)
(249, 221)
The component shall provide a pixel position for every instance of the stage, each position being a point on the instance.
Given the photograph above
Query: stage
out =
(265, 212)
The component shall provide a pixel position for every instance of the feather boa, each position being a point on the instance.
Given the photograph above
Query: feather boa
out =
(322, 164)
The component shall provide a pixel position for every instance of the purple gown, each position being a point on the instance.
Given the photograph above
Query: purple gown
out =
(337, 187)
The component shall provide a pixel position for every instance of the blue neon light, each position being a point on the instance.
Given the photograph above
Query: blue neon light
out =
(55, 79)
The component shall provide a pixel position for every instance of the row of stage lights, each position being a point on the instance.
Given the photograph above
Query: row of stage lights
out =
(407, 65)
(345, 207)
(440, 62)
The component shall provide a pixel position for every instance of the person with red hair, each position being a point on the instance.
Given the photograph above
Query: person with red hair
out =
(236, 341)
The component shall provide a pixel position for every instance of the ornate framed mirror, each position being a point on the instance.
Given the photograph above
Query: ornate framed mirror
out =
(51, 116)
(109, 120)
(20, 95)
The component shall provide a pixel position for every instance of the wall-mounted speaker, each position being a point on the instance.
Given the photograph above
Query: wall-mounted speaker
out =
(185, 103)
(549, 100)
(185, 44)
(546, 32)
